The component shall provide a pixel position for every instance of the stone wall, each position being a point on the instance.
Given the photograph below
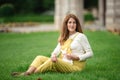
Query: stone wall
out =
(113, 16)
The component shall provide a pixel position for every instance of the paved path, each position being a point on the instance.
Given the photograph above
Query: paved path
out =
(94, 27)
(47, 27)
(38, 28)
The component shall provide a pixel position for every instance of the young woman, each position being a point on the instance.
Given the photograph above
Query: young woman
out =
(69, 55)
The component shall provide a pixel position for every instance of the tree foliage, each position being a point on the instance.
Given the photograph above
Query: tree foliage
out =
(33, 6)
(6, 10)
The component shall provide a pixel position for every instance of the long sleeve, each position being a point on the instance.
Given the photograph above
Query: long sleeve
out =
(86, 48)
(56, 51)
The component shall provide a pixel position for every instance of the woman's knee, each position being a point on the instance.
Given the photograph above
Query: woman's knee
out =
(40, 56)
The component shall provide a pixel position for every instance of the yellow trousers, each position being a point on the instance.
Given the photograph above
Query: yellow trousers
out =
(43, 64)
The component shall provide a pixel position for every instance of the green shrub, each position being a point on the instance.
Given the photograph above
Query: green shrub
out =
(88, 17)
(6, 10)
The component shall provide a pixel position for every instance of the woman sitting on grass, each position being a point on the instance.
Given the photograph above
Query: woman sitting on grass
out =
(69, 55)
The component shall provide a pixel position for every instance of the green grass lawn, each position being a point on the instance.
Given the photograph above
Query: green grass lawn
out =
(18, 50)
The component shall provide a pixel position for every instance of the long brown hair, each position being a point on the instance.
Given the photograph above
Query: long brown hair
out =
(64, 35)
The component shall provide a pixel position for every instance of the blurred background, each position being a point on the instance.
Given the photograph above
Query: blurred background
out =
(42, 19)
(93, 14)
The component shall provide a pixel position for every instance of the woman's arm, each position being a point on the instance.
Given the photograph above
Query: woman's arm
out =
(55, 53)
(86, 47)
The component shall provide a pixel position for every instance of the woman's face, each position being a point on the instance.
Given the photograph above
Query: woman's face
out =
(71, 24)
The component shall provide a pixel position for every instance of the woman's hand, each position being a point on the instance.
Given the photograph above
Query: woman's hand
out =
(72, 57)
(54, 58)
(69, 56)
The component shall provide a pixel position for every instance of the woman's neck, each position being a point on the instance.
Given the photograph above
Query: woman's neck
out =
(71, 33)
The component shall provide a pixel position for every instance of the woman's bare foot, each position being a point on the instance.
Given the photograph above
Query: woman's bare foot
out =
(16, 74)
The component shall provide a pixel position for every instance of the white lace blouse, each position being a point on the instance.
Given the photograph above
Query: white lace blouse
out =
(79, 46)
